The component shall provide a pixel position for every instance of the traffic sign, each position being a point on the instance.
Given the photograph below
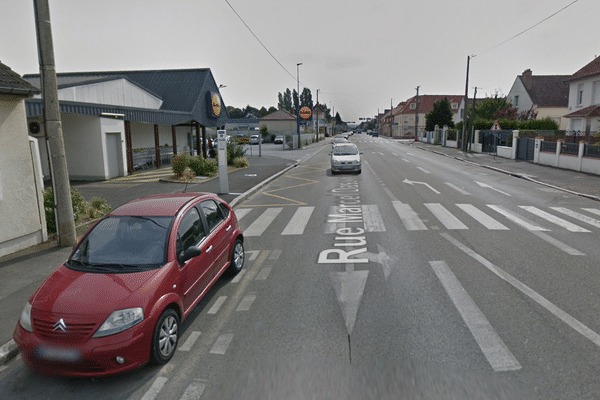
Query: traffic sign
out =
(496, 127)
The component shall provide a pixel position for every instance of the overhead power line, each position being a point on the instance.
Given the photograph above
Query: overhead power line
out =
(531, 27)
(261, 43)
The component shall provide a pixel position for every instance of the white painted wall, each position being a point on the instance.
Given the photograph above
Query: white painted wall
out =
(21, 224)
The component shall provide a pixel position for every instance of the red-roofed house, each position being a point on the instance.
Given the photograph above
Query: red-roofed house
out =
(548, 95)
(405, 117)
(584, 99)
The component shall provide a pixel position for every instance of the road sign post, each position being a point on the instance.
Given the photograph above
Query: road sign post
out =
(222, 152)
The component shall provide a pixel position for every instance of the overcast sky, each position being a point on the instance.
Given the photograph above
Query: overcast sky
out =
(363, 55)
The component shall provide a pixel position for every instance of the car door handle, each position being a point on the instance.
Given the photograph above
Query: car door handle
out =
(228, 228)
(209, 249)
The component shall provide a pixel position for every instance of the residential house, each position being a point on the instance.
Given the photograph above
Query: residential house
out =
(22, 215)
(406, 115)
(584, 99)
(116, 122)
(243, 126)
(546, 95)
(279, 122)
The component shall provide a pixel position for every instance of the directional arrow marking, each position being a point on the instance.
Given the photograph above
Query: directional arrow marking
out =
(383, 259)
(485, 185)
(421, 183)
(349, 288)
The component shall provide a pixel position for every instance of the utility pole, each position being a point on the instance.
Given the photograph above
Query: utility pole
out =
(472, 118)
(464, 143)
(65, 221)
(417, 114)
(298, 104)
(317, 107)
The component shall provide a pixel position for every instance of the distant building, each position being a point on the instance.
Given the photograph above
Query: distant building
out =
(405, 116)
(279, 122)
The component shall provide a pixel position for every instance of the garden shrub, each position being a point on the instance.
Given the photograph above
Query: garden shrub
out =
(79, 207)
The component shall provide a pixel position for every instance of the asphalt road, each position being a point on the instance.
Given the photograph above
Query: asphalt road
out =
(422, 277)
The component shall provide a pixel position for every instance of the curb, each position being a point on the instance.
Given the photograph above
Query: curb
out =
(514, 174)
(8, 351)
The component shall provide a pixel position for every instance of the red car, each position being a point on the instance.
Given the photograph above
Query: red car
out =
(119, 300)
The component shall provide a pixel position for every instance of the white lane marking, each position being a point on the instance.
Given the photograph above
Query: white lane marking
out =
(592, 210)
(222, 343)
(275, 254)
(238, 277)
(263, 274)
(246, 302)
(372, 218)
(193, 391)
(298, 222)
(261, 224)
(576, 215)
(492, 346)
(482, 217)
(459, 190)
(445, 217)
(558, 244)
(155, 389)
(532, 294)
(409, 218)
(242, 212)
(424, 170)
(252, 254)
(332, 227)
(515, 219)
(187, 346)
(405, 160)
(554, 219)
(485, 185)
(215, 308)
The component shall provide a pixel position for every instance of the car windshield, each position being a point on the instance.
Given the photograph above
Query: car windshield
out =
(122, 244)
(345, 151)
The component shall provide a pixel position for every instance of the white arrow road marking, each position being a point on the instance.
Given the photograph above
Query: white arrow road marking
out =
(459, 190)
(386, 262)
(349, 288)
(485, 185)
(494, 349)
(421, 183)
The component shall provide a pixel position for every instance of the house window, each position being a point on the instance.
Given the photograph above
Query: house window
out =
(516, 101)
(580, 94)
(406, 120)
(596, 92)
(413, 106)
(454, 106)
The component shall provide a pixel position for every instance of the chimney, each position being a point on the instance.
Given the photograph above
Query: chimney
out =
(526, 78)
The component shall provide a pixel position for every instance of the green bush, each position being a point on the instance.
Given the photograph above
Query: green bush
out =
(203, 167)
(240, 162)
(79, 207)
(179, 163)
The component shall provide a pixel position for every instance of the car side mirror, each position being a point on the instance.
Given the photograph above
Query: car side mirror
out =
(190, 253)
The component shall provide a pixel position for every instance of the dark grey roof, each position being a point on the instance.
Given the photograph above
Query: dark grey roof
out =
(549, 90)
(12, 83)
(250, 120)
(183, 90)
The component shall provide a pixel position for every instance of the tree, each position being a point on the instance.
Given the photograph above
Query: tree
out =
(306, 98)
(235, 112)
(487, 108)
(441, 115)
(285, 100)
(295, 99)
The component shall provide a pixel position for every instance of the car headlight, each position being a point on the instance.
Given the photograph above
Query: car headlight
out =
(120, 320)
(335, 162)
(25, 319)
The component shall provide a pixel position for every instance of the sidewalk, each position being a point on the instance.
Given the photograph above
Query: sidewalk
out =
(578, 183)
(22, 272)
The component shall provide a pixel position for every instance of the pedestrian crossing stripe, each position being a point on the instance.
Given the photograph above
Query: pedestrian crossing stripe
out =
(371, 220)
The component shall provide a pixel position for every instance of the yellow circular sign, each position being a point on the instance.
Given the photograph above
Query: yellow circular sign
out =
(305, 112)
(216, 104)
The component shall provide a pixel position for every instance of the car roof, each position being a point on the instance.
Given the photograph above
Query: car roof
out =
(159, 205)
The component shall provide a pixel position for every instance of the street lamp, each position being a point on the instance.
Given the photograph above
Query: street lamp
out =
(298, 103)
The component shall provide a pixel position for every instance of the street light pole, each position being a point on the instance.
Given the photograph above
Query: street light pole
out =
(298, 103)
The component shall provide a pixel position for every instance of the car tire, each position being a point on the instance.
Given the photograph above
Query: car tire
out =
(237, 257)
(166, 337)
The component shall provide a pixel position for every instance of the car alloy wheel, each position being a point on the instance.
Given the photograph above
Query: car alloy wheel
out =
(237, 257)
(166, 336)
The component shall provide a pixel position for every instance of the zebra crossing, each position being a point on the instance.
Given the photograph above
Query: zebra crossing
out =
(460, 216)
